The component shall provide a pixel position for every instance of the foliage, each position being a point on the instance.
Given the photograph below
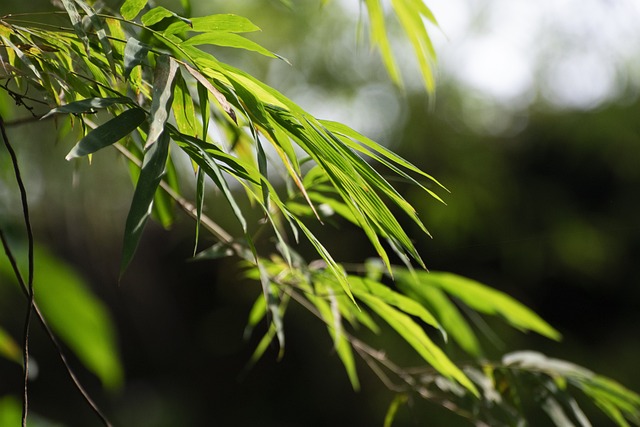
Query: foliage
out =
(138, 82)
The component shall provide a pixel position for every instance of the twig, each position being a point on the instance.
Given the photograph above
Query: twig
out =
(27, 222)
(28, 291)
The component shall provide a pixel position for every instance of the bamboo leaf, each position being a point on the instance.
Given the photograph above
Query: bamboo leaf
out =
(76, 22)
(156, 15)
(215, 92)
(361, 286)
(415, 336)
(396, 403)
(199, 205)
(163, 82)
(446, 312)
(227, 39)
(224, 22)
(153, 165)
(88, 106)
(131, 8)
(183, 109)
(108, 133)
(379, 38)
(83, 322)
(135, 53)
(484, 299)
(101, 33)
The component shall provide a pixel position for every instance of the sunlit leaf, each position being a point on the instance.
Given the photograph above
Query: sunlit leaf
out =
(446, 312)
(76, 22)
(362, 286)
(156, 15)
(223, 38)
(415, 336)
(98, 26)
(162, 97)
(396, 403)
(131, 8)
(224, 22)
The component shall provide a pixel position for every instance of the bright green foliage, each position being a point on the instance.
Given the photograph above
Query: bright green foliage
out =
(157, 95)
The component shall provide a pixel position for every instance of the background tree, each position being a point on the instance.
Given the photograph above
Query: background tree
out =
(241, 106)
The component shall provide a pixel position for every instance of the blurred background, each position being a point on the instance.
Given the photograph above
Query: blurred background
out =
(534, 129)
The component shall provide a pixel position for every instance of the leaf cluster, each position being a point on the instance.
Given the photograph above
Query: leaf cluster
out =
(139, 81)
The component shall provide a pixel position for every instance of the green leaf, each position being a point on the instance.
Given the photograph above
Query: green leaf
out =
(452, 321)
(108, 133)
(155, 159)
(156, 15)
(131, 8)
(101, 33)
(223, 38)
(224, 22)
(396, 403)
(483, 299)
(415, 336)
(379, 38)
(215, 92)
(162, 97)
(183, 110)
(200, 182)
(76, 22)
(9, 348)
(88, 106)
(361, 286)
(135, 53)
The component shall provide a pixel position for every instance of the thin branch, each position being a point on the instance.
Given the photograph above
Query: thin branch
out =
(29, 293)
(27, 222)
(49, 332)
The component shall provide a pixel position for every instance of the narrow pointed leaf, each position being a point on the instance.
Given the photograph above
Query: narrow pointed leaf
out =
(88, 106)
(215, 92)
(76, 22)
(224, 22)
(361, 286)
(108, 133)
(153, 165)
(418, 339)
(223, 38)
(163, 80)
(199, 204)
(98, 26)
(487, 300)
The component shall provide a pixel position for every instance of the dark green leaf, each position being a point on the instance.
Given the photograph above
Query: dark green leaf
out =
(108, 133)
(135, 53)
(155, 159)
(88, 105)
